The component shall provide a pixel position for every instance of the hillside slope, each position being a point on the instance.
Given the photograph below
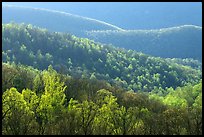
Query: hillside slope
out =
(176, 42)
(83, 58)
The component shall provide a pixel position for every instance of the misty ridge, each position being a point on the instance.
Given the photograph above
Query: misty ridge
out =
(162, 42)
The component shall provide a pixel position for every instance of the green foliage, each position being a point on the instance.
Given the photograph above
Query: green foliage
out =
(31, 99)
(17, 117)
(105, 111)
(105, 119)
(81, 57)
(51, 102)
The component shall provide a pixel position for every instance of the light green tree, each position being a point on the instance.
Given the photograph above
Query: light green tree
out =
(51, 104)
(17, 118)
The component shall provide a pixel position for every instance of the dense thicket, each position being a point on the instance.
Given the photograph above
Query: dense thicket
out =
(83, 58)
(46, 102)
(176, 42)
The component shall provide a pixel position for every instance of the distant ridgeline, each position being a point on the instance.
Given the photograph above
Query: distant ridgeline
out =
(54, 20)
(176, 42)
(83, 58)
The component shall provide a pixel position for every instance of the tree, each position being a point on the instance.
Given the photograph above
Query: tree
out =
(197, 115)
(51, 103)
(17, 118)
(105, 118)
(70, 122)
(88, 111)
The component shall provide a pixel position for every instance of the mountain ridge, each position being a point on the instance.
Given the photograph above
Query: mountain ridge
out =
(100, 21)
(31, 15)
(176, 42)
(154, 42)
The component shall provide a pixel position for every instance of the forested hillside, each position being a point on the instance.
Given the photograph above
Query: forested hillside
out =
(176, 42)
(83, 58)
(48, 103)
(64, 74)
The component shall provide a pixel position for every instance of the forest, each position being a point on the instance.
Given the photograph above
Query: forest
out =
(55, 83)
(46, 102)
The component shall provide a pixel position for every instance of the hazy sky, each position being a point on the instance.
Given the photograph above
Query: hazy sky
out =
(130, 15)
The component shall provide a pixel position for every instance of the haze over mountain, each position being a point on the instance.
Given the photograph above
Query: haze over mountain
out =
(130, 15)
(53, 20)
(175, 42)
